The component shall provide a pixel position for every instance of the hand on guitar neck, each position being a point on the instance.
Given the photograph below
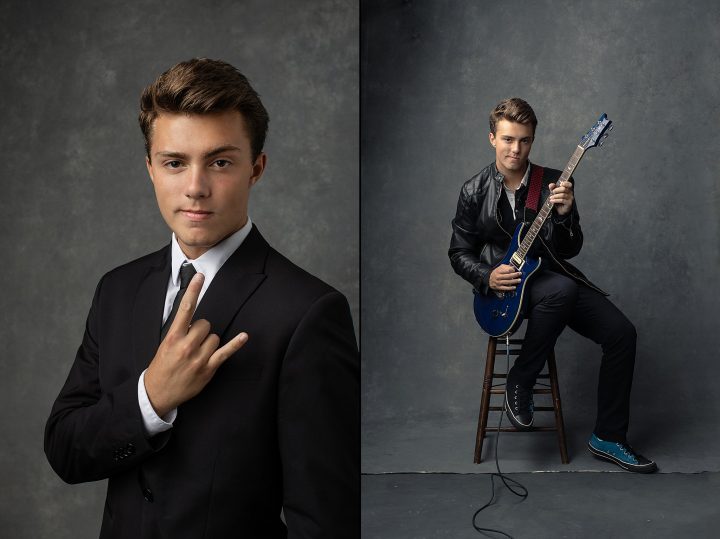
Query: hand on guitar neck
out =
(504, 278)
(562, 196)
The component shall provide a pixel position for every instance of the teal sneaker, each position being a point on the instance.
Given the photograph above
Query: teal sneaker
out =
(621, 454)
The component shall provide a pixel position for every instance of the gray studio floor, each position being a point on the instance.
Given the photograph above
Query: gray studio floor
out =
(419, 482)
(447, 444)
(564, 504)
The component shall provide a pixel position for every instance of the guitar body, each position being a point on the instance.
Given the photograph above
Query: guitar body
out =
(500, 313)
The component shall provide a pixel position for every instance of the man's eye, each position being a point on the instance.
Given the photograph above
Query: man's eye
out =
(221, 163)
(173, 164)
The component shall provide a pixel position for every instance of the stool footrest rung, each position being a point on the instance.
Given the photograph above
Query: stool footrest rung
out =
(500, 391)
(503, 375)
(536, 408)
(513, 429)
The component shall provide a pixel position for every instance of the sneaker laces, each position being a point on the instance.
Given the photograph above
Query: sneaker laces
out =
(628, 451)
(522, 399)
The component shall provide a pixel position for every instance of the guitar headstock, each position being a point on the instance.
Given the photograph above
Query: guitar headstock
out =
(597, 134)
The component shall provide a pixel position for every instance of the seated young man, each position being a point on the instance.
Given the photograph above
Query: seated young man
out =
(491, 204)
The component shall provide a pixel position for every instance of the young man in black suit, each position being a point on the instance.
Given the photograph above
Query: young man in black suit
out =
(491, 205)
(217, 383)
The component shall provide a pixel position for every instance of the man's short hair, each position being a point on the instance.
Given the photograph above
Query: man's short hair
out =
(204, 86)
(513, 110)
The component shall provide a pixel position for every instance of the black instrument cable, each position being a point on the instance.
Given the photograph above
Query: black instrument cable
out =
(521, 491)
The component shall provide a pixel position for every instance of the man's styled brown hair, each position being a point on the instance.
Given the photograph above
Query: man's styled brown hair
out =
(203, 86)
(513, 110)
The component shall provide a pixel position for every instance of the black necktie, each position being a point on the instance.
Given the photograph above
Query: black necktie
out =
(186, 273)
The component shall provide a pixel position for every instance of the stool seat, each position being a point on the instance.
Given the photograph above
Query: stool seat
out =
(490, 389)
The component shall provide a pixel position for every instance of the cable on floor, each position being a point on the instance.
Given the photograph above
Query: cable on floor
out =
(509, 482)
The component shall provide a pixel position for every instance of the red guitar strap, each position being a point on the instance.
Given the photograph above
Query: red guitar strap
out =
(533, 196)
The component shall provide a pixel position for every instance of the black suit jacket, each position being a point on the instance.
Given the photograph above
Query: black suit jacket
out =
(277, 426)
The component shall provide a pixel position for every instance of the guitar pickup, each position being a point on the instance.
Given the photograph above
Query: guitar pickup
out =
(517, 261)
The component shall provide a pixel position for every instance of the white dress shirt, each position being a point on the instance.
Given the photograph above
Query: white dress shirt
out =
(510, 193)
(209, 263)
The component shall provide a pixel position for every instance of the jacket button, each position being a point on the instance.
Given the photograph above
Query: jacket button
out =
(148, 495)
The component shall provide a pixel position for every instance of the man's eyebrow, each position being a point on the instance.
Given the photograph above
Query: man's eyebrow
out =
(211, 153)
(222, 149)
(178, 155)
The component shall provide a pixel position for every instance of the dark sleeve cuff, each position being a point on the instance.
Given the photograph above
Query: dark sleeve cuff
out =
(565, 221)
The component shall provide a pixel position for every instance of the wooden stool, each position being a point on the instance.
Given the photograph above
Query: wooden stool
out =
(489, 389)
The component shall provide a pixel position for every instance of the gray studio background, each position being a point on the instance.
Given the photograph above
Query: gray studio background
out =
(77, 201)
(648, 200)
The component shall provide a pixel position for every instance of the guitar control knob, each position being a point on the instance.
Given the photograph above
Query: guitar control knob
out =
(495, 313)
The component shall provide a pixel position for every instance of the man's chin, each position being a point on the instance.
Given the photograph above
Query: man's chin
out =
(194, 246)
(513, 164)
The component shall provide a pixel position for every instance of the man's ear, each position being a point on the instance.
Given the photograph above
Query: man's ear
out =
(258, 168)
(149, 168)
(492, 139)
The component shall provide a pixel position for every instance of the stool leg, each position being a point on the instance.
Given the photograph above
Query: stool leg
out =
(485, 399)
(559, 423)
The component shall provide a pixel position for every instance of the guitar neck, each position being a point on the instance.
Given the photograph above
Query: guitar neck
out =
(547, 207)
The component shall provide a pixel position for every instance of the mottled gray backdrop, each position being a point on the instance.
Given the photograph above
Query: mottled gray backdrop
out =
(76, 200)
(648, 200)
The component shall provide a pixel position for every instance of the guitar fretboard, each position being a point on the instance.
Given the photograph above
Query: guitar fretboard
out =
(547, 207)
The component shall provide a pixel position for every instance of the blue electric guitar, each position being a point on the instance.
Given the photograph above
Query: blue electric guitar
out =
(499, 313)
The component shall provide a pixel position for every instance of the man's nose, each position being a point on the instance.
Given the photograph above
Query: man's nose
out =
(198, 185)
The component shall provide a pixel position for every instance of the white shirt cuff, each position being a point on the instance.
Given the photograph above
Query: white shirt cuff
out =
(154, 424)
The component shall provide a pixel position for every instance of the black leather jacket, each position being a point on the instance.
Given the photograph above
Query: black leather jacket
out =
(478, 242)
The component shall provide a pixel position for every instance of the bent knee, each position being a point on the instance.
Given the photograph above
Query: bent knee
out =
(623, 330)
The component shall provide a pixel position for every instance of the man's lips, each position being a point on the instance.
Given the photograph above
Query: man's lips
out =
(196, 215)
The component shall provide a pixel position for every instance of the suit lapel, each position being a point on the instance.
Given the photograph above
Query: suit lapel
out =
(236, 281)
(148, 310)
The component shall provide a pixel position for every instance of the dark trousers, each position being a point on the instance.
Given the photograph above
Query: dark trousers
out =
(555, 301)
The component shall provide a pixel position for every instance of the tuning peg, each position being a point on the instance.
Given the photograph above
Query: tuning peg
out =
(612, 126)
(602, 141)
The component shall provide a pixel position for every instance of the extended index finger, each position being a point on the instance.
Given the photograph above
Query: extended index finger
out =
(187, 305)
(506, 268)
(221, 354)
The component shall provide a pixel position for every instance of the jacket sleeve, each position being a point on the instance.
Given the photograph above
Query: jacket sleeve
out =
(318, 424)
(466, 244)
(93, 432)
(566, 235)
